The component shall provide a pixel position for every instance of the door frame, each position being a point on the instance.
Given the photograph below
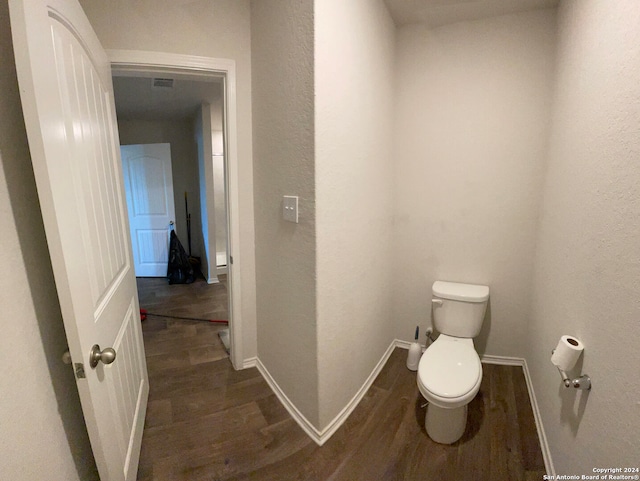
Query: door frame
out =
(139, 61)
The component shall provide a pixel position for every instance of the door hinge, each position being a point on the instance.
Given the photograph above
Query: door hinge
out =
(79, 370)
(231, 259)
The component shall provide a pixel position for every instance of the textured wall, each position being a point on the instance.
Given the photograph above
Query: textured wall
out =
(184, 166)
(471, 134)
(354, 48)
(201, 125)
(43, 433)
(283, 146)
(587, 267)
(210, 28)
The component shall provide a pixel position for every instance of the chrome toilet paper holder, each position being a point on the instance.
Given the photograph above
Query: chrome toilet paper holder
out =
(583, 382)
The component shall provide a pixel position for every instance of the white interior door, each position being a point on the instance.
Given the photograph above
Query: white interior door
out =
(67, 96)
(149, 187)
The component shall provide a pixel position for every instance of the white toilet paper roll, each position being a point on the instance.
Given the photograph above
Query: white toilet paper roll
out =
(567, 352)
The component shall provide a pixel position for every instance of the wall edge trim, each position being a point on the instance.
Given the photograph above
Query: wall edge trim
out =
(249, 362)
(344, 414)
(402, 344)
(544, 445)
(517, 361)
(542, 437)
(503, 360)
(322, 436)
(297, 416)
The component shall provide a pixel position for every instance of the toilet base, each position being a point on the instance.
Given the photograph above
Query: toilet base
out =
(445, 426)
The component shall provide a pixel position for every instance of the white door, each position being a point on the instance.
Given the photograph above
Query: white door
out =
(67, 97)
(149, 187)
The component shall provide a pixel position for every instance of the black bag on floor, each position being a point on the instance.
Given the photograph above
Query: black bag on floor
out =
(179, 270)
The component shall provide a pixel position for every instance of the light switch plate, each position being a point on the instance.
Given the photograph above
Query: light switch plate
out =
(290, 208)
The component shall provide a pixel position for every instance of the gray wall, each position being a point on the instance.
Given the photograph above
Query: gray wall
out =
(283, 146)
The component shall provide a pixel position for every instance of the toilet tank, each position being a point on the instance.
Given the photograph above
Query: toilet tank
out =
(458, 309)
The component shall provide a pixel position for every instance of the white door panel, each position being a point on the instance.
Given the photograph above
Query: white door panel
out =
(149, 188)
(67, 97)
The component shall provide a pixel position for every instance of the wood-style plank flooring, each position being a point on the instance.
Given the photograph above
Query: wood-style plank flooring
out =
(206, 421)
(197, 300)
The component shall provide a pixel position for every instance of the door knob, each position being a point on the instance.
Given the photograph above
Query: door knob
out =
(107, 356)
(66, 357)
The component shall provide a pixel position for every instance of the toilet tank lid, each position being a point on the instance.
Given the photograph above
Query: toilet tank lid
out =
(460, 292)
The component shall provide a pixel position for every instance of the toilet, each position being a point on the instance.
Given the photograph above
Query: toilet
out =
(450, 372)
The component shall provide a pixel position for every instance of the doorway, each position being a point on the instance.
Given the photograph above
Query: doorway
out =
(171, 136)
(148, 185)
(152, 65)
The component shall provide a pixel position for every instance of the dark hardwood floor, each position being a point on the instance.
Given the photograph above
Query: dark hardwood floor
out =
(206, 421)
(198, 300)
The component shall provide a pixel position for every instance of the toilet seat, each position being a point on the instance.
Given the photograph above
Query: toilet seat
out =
(450, 372)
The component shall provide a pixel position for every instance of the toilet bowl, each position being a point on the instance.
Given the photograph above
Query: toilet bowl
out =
(449, 371)
(449, 377)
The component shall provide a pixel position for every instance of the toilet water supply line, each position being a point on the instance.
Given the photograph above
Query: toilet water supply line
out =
(430, 339)
(429, 331)
(435, 302)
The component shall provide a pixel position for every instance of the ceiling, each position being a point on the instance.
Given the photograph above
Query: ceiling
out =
(137, 98)
(435, 13)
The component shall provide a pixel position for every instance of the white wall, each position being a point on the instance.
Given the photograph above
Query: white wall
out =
(43, 433)
(184, 167)
(470, 140)
(202, 127)
(282, 56)
(471, 152)
(354, 49)
(220, 202)
(219, 187)
(209, 28)
(587, 266)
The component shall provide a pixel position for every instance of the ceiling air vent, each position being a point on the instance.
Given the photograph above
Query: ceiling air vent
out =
(162, 83)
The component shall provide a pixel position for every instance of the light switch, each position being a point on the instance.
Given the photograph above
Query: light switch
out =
(290, 208)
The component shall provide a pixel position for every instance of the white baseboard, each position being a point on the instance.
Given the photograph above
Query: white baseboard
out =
(544, 445)
(517, 361)
(221, 270)
(322, 436)
(297, 416)
(342, 416)
(502, 360)
(248, 363)
(213, 280)
(401, 344)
